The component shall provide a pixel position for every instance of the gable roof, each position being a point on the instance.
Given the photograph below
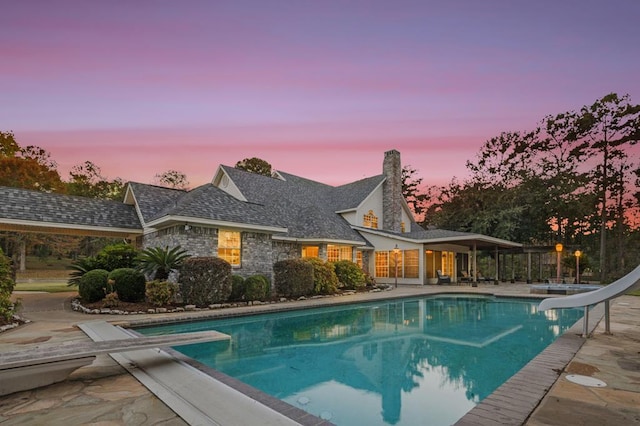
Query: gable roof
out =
(205, 204)
(307, 208)
(36, 211)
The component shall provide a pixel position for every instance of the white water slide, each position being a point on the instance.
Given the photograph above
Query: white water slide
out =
(617, 288)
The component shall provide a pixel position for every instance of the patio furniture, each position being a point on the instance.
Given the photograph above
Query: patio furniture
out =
(443, 279)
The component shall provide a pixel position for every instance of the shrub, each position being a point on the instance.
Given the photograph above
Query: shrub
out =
(293, 278)
(256, 288)
(117, 256)
(350, 275)
(160, 293)
(158, 262)
(237, 288)
(205, 280)
(325, 280)
(7, 308)
(111, 300)
(129, 284)
(81, 267)
(93, 285)
(7, 282)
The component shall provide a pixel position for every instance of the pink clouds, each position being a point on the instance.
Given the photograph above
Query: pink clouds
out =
(318, 89)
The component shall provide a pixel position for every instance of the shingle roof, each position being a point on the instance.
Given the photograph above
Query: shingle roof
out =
(153, 199)
(307, 208)
(22, 204)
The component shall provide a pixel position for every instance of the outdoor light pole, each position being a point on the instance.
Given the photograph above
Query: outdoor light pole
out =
(577, 254)
(558, 271)
(396, 250)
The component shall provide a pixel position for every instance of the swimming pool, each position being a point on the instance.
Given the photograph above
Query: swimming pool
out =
(406, 362)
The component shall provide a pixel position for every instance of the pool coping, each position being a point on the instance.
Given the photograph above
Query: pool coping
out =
(511, 404)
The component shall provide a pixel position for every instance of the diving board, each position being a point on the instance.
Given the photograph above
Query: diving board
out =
(34, 367)
(629, 282)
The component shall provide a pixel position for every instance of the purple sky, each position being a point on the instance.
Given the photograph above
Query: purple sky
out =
(317, 88)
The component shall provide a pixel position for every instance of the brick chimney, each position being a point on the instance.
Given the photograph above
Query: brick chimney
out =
(392, 191)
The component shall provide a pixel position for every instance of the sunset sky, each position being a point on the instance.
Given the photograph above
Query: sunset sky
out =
(316, 88)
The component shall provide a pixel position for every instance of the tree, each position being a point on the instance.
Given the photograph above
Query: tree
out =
(610, 124)
(86, 180)
(8, 145)
(412, 192)
(159, 262)
(173, 179)
(255, 165)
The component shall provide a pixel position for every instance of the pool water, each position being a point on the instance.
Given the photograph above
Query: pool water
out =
(418, 361)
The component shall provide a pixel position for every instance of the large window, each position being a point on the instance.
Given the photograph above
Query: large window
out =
(370, 220)
(359, 258)
(229, 247)
(382, 264)
(411, 263)
(335, 253)
(310, 251)
(408, 264)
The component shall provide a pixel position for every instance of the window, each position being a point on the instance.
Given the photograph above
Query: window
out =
(335, 253)
(370, 220)
(310, 251)
(402, 227)
(359, 258)
(392, 263)
(382, 264)
(229, 247)
(411, 263)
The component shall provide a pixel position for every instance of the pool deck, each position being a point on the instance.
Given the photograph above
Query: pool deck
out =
(105, 393)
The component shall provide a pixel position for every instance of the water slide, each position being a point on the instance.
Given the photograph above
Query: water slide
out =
(629, 282)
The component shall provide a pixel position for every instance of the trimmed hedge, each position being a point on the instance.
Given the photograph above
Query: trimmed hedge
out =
(325, 280)
(129, 283)
(205, 280)
(94, 285)
(293, 278)
(256, 287)
(237, 288)
(350, 275)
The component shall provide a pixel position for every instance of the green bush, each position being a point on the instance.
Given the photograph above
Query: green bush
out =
(293, 278)
(256, 288)
(350, 275)
(237, 288)
(6, 307)
(111, 257)
(117, 256)
(160, 293)
(205, 280)
(158, 262)
(129, 283)
(7, 283)
(325, 280)
(94, 286)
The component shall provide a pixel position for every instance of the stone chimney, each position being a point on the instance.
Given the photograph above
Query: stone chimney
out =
(392, 191)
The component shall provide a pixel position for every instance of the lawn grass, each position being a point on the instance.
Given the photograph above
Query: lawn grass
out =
(56, 286)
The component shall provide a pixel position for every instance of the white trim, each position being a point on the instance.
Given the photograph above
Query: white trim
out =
(131, 193)
(58, 225)
(318, 240)
(213, 223)
(231, 188)
(453, 239)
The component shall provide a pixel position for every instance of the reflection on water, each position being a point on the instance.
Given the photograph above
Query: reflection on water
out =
(417, 361)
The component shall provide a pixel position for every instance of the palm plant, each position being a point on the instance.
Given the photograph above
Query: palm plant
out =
(80, 267)
(158, 262)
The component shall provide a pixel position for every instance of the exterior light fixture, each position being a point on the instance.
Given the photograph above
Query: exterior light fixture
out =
(577, 254)
(187, 227)
(396, 251)
(558, 270)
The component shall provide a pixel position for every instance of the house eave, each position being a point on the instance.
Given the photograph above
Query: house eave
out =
(20, 225)
(318, 240)
(173, 220)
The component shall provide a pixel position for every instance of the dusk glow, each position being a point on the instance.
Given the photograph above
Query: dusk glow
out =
(320, 89)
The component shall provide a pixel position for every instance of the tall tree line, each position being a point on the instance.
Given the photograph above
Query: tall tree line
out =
(572, 179)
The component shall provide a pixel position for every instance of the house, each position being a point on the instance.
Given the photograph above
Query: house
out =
(253, 221)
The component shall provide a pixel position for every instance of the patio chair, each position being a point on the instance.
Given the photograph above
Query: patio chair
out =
(443, 279)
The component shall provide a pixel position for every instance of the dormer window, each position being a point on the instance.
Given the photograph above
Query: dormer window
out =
(370, 220)
(402, 228)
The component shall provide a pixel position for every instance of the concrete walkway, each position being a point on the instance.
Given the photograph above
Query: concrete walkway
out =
(105, 394)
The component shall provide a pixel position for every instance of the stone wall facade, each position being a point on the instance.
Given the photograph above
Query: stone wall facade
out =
(392, 191)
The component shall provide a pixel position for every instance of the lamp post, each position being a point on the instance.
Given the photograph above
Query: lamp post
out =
(558, 271)
(577, 254)
(396, 251)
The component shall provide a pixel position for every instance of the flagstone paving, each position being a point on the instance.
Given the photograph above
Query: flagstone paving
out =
(105, 394)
